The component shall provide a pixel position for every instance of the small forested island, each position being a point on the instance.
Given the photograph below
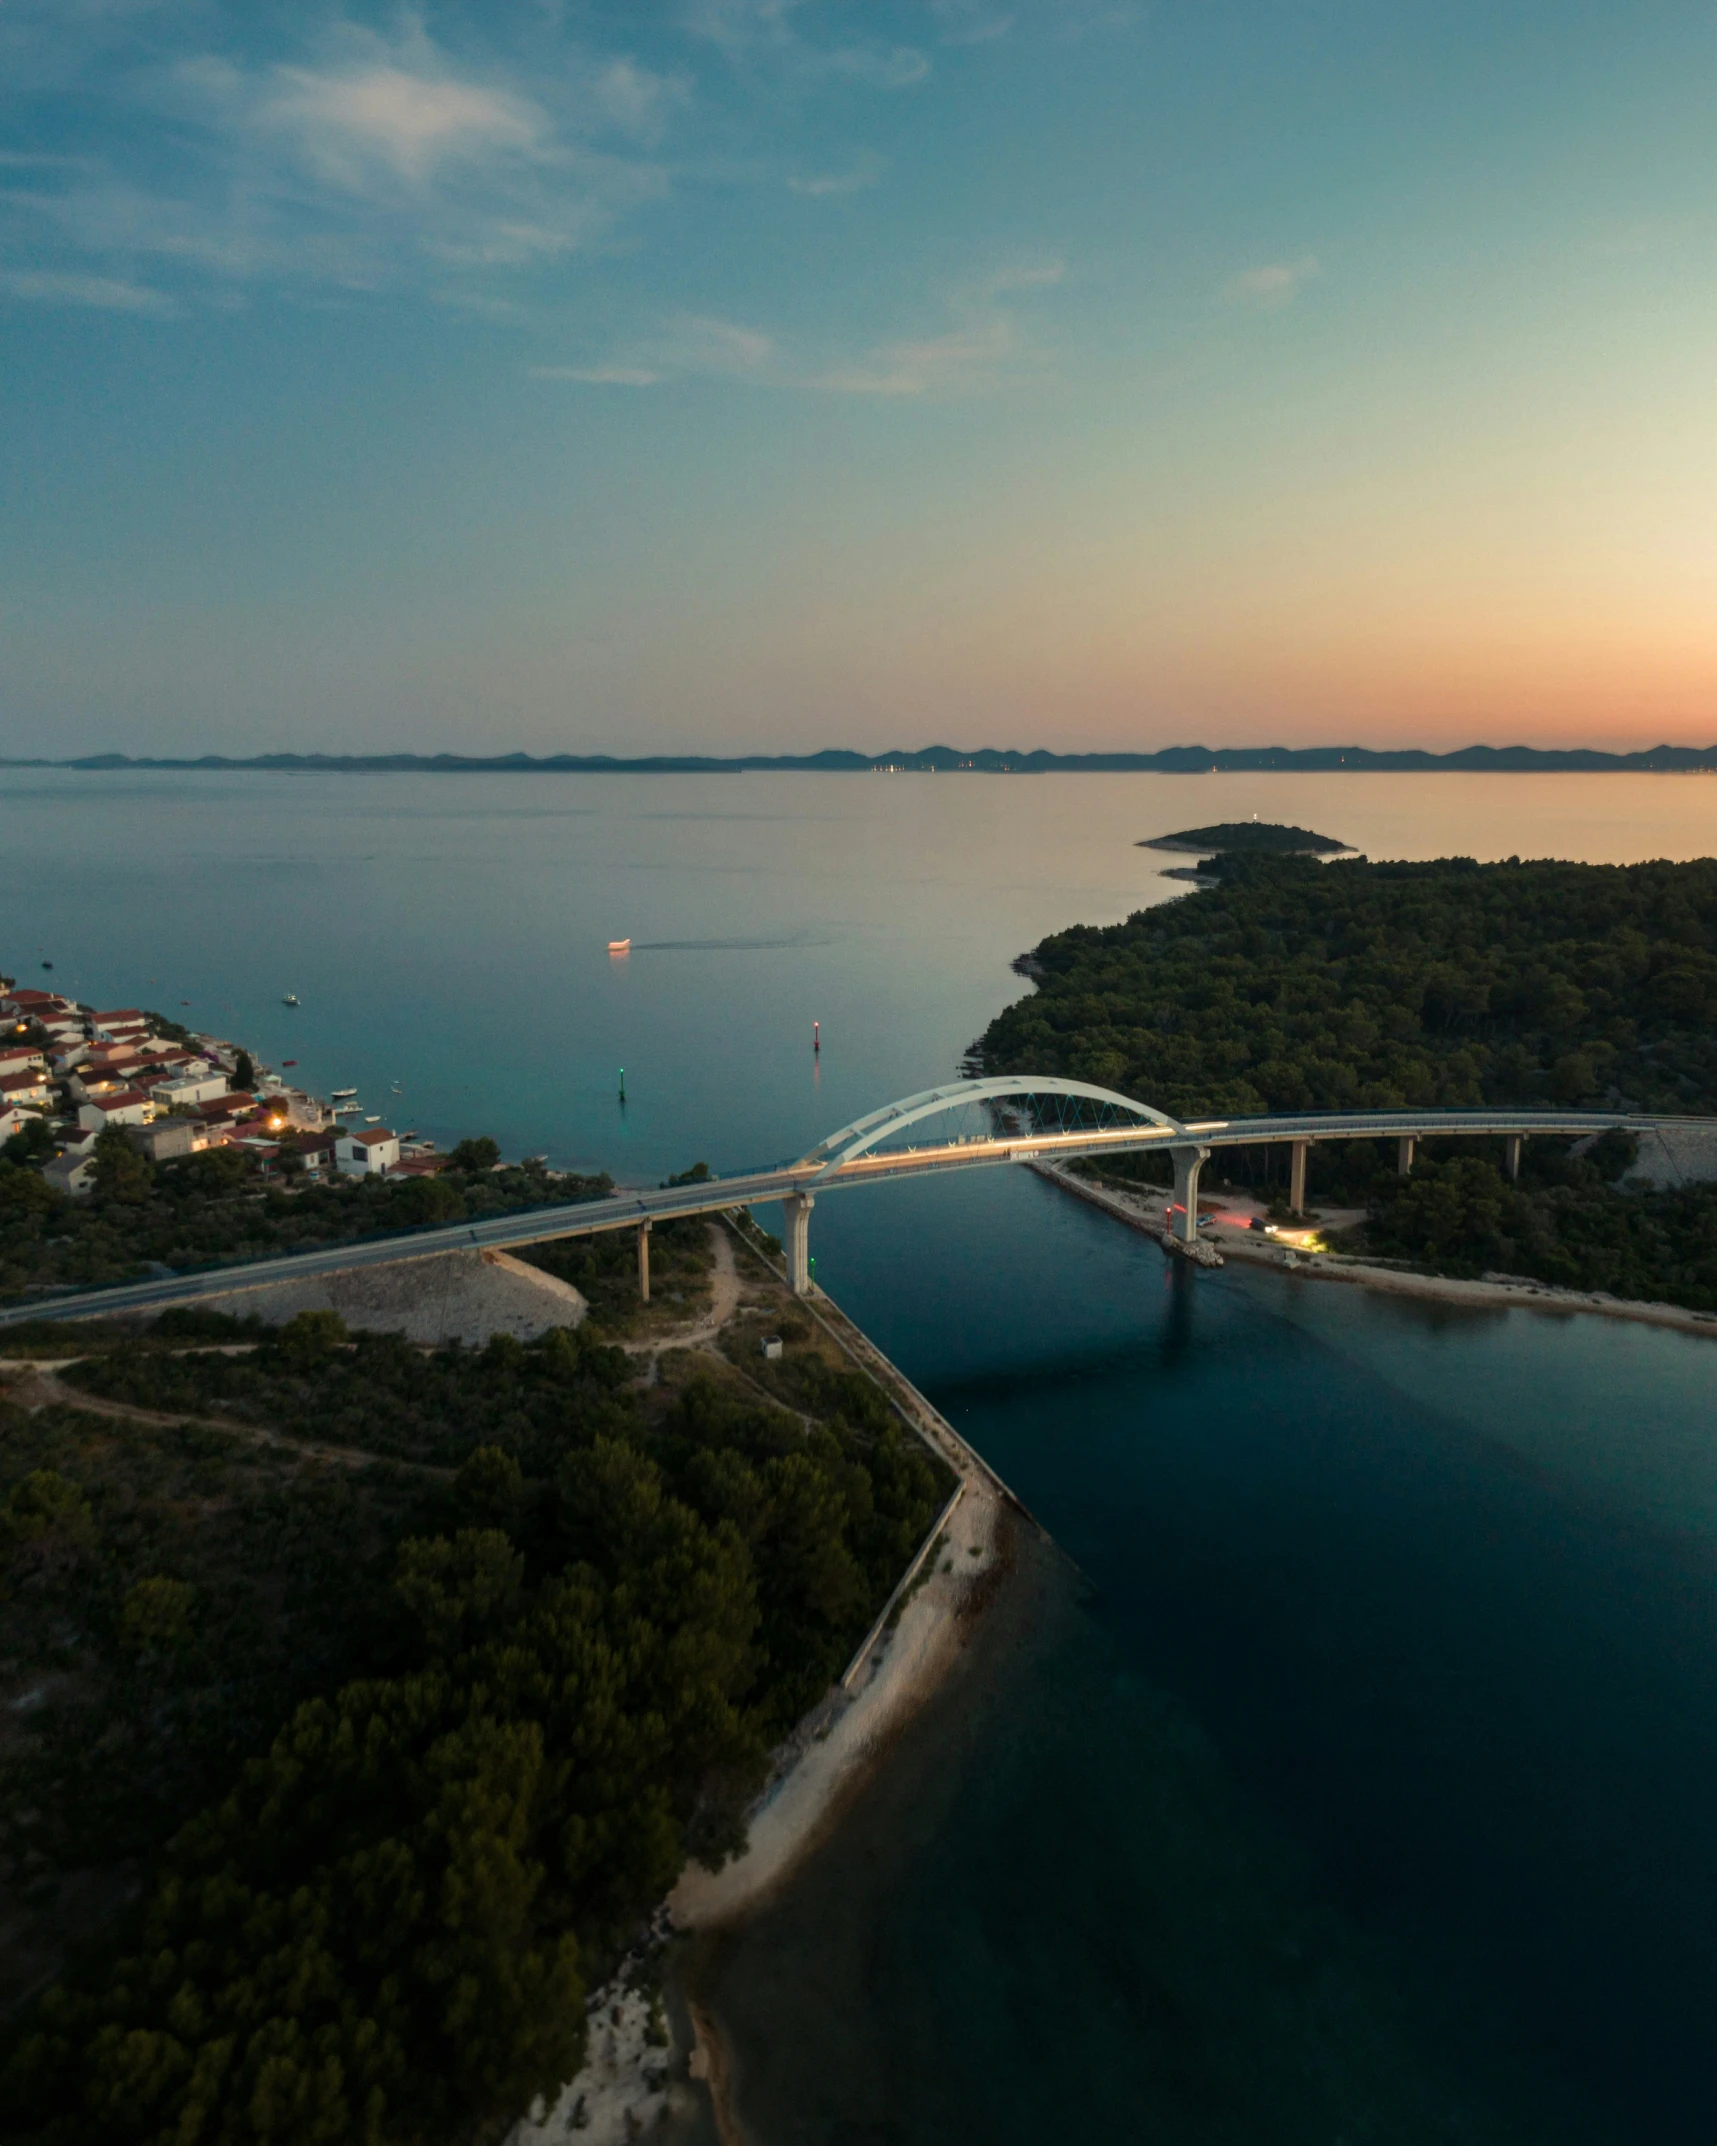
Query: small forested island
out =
(1249, 838)
(1292, 985)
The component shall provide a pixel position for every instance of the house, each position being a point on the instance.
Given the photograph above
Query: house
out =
(169, 1138)
(34, 1005)
(71, 1172)
(316, 1150)
(185, 1090)
(20, 1088)
(222, 1109)
(366, 1154)
(22, 1058)
(126, 1107)
(123, 1017)
(14, 1120)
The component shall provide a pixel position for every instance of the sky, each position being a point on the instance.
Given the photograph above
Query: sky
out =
(755, 375)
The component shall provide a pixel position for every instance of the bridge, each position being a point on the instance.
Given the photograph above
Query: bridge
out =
(1012, 1118)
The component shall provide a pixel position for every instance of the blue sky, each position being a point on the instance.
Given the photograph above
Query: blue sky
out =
(773, 373)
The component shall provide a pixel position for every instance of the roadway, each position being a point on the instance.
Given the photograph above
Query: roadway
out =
(799, 1182)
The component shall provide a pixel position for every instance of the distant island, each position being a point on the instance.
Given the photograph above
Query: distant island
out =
(949, 760)
(1255, 838)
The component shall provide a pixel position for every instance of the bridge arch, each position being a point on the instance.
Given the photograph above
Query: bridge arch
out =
(866, 1133)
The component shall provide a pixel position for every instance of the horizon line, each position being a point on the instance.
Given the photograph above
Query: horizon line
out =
(939, 759)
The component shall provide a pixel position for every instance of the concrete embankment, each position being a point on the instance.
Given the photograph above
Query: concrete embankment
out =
(1491, 1293)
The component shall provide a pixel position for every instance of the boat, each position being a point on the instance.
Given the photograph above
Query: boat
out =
(291, 999)
(619, 946)
(340, 1094)
(346, 1110)
(376, 1120)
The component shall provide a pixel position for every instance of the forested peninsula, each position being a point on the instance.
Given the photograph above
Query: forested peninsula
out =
(1294, 985)
(363, 1701)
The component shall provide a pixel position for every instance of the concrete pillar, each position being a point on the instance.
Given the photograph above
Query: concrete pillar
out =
(1404, 1152)
(644, 1261)
(1511, 1147)
(796, 1209)
(1187, 1164)
(1297, 1177)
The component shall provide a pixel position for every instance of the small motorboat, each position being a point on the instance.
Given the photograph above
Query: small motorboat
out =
(291, 999)
(376, 1120)
(341, 1095)
(289, 1061)
(619, 946)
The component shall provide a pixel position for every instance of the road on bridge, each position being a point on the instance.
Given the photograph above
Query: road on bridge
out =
(855, 1156)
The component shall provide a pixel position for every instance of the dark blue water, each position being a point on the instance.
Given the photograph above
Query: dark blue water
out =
(1366, 1793)
(1355, 1782)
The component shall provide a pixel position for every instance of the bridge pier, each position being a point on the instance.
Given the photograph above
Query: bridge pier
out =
(796, 1209)
(644, 1261)
(1297, 1176)
(1511, 1147)
(1187, 1164)
(1404, 1152)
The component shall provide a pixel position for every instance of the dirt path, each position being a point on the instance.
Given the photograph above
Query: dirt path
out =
(723, 1303)
(45, 1389)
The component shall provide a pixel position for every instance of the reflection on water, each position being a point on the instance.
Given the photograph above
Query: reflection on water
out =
(1400, 1661)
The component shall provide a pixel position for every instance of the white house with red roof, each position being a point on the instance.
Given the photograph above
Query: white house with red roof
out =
(366, 1154)
(25, 1088)
(126, 1106)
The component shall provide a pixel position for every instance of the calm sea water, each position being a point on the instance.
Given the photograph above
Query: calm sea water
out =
(1353, 1782)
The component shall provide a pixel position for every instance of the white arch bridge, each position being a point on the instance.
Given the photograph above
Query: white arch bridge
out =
(1013, 1118)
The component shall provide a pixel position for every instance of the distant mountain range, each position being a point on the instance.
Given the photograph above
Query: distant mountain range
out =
(945, 760)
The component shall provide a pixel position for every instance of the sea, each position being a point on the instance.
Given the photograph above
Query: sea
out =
(1342, 1766)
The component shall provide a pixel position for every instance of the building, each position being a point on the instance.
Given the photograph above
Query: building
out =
(184, 1091)
(73, 1173)
(35, 1005)
(127, 1106)
(169, 1138)
(366, 1154)
(18, 1089)
(13, 1120)
(122, 1019)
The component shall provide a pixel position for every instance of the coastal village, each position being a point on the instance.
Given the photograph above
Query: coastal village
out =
(68, 1072)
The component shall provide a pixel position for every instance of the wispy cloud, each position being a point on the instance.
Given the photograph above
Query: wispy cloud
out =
(957, 362)
(107, 294)
(345, 125)
(863, 174)
(985, 344)
(362, 160)
(597, 375)
(770, 35)
(969, 22)
(972, 357)
(1276, 283)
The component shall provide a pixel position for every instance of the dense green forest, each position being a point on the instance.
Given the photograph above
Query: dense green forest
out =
(1298, 986)
(396, 1685)
(1264, 838)
(218, 1208)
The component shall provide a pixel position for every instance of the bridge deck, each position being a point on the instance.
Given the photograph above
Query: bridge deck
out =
(759, 1187)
